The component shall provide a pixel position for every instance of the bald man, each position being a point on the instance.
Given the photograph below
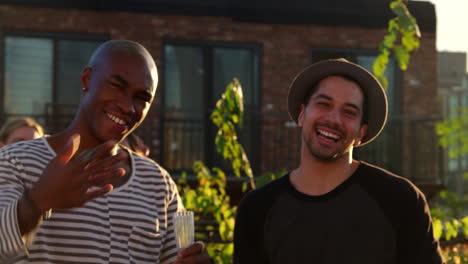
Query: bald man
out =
(76, 196)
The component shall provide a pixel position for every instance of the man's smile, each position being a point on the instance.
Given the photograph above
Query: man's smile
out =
(328, 135)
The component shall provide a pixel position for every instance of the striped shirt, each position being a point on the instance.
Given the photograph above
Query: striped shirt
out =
(129, 225)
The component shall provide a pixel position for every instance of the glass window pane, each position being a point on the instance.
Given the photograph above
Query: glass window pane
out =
(183, 79)
(28, 75)
(184, 131)
(453, 105)
(464, 99)
(230, 63)
(72, 57)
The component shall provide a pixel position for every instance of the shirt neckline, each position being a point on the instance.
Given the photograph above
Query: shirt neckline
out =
(337, 190)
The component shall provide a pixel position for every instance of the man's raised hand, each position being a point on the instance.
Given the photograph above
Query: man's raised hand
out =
(67, 180)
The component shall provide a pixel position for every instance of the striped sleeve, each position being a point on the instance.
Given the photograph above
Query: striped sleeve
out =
(11, 189)
(174, 204)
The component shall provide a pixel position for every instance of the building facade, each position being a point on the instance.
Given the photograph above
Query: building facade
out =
(199, 47)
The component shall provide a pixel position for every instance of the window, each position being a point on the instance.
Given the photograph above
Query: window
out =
(385, 151)
(456, 167)
(41, 76)
(195, 76)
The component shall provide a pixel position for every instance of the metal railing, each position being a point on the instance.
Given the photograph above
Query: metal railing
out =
(408, 146)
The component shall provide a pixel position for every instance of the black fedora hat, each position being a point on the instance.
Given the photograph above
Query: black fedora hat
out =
(377, 105)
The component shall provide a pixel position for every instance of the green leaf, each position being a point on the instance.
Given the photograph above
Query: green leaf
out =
(190, 199)
(437, 226)
(222, 230)
(405, 20)
(464, 222)
(235, 118)
(410, 41)
(389, 41)
(402, 56)
(450, 230)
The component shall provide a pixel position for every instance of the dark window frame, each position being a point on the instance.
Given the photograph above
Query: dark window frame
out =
(208, 47)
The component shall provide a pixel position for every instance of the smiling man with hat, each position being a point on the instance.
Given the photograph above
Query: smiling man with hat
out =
(333, 209)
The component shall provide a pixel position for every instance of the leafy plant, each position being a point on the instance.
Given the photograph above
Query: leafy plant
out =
(209, 199)
(448, 217)
(268, 177)
(457, 254)
(402, 37)
(453, 134)
(227, 115)
(451, 226)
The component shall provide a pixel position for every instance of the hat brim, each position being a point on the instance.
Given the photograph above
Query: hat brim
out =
(377, 106)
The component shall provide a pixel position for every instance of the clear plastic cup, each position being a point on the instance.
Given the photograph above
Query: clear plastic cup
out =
(184, 228)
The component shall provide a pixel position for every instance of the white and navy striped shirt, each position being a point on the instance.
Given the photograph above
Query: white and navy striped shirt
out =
(129, 225)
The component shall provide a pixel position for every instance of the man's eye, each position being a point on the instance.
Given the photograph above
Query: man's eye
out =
(143, 98)
(351, 112)
(116, 85)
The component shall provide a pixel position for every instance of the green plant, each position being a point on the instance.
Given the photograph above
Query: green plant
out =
(448, 217)
(211, 204)
(451, 226)
(457, 254)
(268, 177)
(227, 116)
(209, 199)
(402, 37)
(453, 134)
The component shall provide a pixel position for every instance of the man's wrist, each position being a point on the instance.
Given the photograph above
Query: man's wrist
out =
(45, 213)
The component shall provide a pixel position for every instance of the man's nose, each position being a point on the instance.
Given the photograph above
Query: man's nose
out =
(127, 106)
(334, 116)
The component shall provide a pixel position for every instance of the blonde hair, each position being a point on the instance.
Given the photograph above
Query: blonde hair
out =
(15, 123)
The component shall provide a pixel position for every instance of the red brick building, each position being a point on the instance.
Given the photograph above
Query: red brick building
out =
(199, 47)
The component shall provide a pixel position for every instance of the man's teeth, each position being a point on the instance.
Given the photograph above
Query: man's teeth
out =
(116, 119)
(328, 134)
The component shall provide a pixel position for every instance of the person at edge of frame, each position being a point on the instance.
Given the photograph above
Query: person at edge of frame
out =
(333, 209)
(76, 196)
(20, 129)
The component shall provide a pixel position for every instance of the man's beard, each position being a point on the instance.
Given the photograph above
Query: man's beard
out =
(325, 156)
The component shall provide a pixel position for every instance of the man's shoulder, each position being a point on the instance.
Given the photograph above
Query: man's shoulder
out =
(147, 166)
(379, 180)
(377, 173)
(271, 189)
(26, 148)
(143, 162)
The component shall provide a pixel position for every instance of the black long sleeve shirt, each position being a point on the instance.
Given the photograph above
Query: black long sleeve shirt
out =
(372, 217)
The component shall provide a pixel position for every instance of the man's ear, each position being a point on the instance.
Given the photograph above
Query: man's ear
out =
(362, 133)
(300, 116)
(85, 79)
